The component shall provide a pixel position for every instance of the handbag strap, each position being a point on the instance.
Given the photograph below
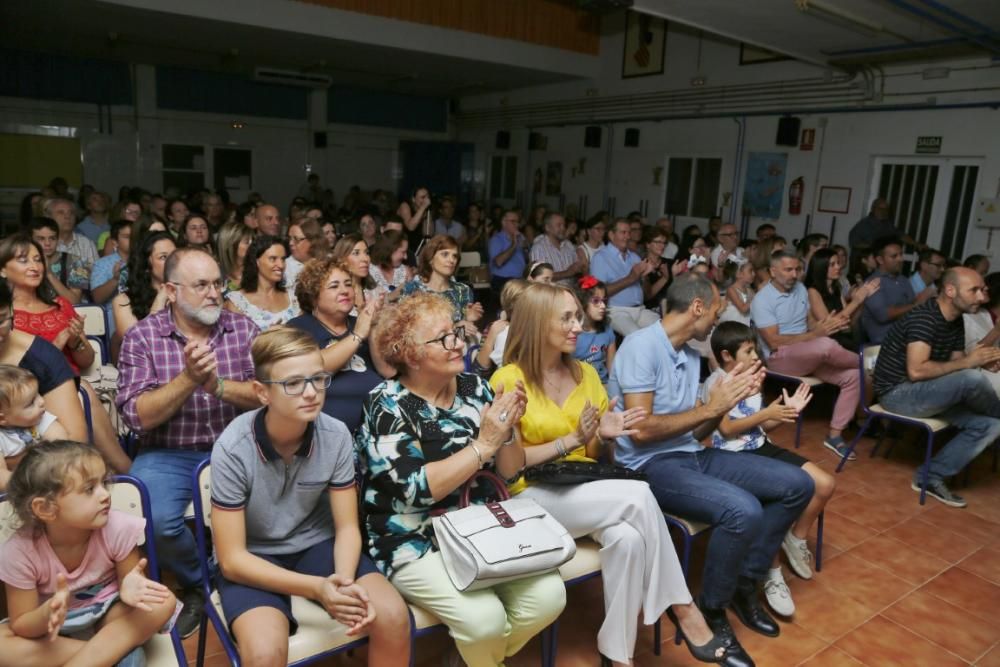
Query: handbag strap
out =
(498, 484)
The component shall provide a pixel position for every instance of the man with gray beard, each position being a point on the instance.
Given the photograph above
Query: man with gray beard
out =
(184, 373)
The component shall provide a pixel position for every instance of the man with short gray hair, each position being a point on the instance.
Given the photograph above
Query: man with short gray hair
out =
(81, 253)
(553, 248)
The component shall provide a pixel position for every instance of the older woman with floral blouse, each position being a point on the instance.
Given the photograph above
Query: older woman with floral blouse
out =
(423, 435)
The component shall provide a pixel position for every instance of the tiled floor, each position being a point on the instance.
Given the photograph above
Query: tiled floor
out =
(902, 584)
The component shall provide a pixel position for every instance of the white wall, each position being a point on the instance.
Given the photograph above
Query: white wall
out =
(131, 153)
(847, 144)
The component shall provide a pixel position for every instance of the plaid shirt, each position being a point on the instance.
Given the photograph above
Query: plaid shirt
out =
(561, 258)
(152, 355)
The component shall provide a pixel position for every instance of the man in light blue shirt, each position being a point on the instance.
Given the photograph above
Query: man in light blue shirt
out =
(621, 270)
(96, 222)
(930, 266)
(105, 277)
(751, 501)
(895, 296)
(507, 252)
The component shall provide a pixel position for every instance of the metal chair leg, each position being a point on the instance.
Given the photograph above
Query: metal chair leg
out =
(854, 443)
(798, 430)
(925, 471)
(819, 541)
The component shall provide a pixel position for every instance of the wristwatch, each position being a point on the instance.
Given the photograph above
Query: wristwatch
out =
(80, 345)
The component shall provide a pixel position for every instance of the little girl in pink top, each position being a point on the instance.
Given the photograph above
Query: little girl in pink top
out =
(73, 575)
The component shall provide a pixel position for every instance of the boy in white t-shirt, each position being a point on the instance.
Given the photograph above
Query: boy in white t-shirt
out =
(23, 419)
(745, 429)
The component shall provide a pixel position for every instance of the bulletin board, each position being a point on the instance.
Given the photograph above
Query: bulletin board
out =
(31, 161)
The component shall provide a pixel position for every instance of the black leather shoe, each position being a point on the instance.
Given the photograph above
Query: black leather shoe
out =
(736, 655)
(722, 648)
(189, 620)
(746, 604)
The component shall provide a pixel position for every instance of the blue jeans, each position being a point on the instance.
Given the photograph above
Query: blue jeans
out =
(966, 399)
(167, 474)
(750, 502)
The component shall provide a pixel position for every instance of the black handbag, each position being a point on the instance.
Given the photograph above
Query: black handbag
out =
(579, 472)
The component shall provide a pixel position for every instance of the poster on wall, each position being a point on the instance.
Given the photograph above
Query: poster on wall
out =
(765, 184)
(553, 178)
(645, 44)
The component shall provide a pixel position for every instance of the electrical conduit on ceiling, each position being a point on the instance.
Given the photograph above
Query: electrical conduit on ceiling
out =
(839, 89)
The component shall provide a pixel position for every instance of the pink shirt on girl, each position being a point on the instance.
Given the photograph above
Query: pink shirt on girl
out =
(27, 561)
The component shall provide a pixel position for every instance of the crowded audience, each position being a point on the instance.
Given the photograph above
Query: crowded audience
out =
(348, 343)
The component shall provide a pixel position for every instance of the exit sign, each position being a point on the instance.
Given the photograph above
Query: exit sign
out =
(928, 144)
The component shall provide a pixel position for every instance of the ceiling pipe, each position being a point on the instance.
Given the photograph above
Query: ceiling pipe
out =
(941, 8)
(929, 16)
(801, 111)
(897, 47)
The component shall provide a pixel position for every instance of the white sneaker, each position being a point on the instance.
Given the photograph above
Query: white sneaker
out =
(799, 556)
(778, 597)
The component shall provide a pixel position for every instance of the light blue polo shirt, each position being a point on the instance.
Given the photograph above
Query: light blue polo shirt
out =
(647, 362)
(609, 265)
(917, 283)
(789, 310)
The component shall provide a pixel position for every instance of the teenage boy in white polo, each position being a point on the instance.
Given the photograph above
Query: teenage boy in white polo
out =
(286, 514)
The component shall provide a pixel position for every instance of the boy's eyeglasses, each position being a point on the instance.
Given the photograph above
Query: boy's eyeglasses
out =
(295, 386)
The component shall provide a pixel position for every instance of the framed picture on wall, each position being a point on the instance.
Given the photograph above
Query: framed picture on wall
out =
(553, 178)
(834, 199)
(645, 45)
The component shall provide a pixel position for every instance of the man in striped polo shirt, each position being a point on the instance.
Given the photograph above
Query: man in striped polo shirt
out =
(923, 371)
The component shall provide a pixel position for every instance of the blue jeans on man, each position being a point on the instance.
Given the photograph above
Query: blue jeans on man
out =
(167, 475)
(966, 400)
(750, 502)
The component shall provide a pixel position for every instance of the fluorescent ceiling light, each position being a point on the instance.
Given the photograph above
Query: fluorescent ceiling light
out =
(833, 14)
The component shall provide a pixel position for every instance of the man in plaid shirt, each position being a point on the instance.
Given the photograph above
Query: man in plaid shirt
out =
(184, 374)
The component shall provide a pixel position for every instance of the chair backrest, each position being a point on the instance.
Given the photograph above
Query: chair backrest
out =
(470, 259)
(866, 366)
(205, 494)
(94, 323)
(94, 369)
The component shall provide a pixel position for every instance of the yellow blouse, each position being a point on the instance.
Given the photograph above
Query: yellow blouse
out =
(543, 420)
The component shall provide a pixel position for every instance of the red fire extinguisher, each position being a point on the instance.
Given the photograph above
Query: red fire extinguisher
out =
(795, 191)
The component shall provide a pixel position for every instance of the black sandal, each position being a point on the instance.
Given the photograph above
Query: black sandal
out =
(720, 649)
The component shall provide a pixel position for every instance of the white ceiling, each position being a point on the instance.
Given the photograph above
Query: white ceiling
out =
(849, 32)
(90, 28)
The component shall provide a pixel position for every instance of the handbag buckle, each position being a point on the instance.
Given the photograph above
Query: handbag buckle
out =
(501, 515)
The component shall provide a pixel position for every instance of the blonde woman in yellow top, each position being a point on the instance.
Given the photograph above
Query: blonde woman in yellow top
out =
(567, 417)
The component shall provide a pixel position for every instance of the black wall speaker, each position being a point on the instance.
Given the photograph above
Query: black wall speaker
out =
(537, 141)
(592, 136)
(319, 139)
(631, 137)
(503, 140)
(788, 131)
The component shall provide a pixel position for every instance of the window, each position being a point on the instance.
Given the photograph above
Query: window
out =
(693, 187)
(503, 177)
(183, 168)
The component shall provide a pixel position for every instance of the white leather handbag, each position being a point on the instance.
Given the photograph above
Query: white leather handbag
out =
(485, 545)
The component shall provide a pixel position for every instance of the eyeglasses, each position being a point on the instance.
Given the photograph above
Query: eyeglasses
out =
(203, 286)
(937, 264)
(597, 301)
(450, 340)
(295, 386)
(295, 240)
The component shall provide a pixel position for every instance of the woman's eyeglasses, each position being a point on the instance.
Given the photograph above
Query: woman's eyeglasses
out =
(598, 301)
(450, 340)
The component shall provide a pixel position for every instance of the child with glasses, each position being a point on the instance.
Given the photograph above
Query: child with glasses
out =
(596, 343)
(286, 514)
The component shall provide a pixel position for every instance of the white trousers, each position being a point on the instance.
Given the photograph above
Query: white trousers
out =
(639, 566)
(626, 319)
